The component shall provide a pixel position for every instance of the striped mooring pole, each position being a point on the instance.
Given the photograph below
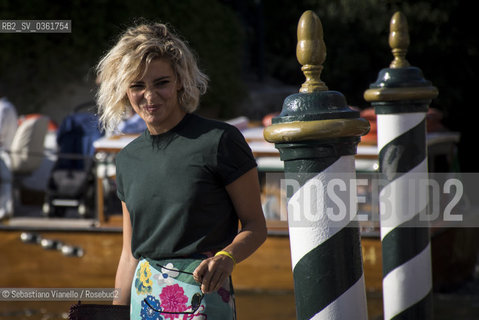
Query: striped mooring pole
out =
(401, 97)
(317, 136)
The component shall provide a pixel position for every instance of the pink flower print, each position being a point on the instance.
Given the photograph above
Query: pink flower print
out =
(173, 299)
(198, 315)
(225, 294)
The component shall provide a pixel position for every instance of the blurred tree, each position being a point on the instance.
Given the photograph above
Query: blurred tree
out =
(356, 36)
(443, 44)
(237, 37)
(37, 66)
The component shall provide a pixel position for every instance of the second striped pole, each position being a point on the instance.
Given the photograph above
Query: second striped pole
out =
(401, 97)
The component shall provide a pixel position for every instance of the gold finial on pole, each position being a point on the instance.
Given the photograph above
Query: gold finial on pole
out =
(399, 40)
(311, 51)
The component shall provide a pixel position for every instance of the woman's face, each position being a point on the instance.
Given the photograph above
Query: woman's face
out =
(155, 97)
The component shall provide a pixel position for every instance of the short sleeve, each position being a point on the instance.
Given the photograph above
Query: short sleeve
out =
(234, 157)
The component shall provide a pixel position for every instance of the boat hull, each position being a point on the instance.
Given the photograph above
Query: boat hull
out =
(454, 253)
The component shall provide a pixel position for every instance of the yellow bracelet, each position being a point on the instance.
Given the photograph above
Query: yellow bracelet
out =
(226, 253)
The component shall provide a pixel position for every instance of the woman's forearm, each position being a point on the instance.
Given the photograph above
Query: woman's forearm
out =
(245, 194)
(247, 241)
(124, 278)
(221, 266)
(127, 263)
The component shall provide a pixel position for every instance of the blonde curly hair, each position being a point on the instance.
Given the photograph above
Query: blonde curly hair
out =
(127, 61)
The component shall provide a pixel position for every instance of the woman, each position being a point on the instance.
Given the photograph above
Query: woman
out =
(184, 183)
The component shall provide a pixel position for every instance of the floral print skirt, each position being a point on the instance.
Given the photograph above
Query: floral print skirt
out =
(165, 289)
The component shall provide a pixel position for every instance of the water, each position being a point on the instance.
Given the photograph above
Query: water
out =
(460, 304)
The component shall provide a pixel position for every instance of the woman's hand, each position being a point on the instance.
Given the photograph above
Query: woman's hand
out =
(213, 272)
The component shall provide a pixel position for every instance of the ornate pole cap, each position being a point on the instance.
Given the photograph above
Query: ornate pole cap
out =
(399, 40)
(311, 51)
(400, 82)
(315, 113)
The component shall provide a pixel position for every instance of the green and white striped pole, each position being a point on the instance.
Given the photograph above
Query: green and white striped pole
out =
(401, 97)
(317, 136)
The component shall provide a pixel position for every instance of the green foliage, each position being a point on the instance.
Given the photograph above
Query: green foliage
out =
(36, 66)
(356, 32)
(443, 44)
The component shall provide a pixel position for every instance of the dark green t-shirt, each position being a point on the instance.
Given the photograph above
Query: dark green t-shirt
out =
(174, 187)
